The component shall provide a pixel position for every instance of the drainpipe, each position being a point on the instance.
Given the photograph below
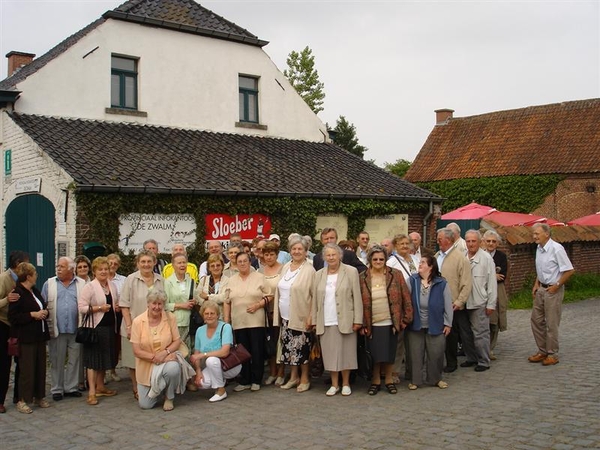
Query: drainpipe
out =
(425, 220)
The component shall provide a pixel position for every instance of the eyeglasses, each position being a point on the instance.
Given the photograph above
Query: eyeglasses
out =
(377, 259)
(489, 241)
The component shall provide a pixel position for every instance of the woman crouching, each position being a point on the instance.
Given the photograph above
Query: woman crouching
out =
(155, 339)
(213, 342)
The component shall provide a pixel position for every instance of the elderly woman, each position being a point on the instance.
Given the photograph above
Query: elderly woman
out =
(212, 286)
(99, 296)
(28, 319)
(387, 311)
(83, 268)
(407, 264)
(337, 311)
(114, 262)
(244, 309)
(432, 304)
(271, 269)
(133, 303)
(179, 288)
(155, 339)
(292, 309)
(213, 342)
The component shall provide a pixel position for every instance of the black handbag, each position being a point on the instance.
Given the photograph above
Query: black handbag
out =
(87, 334)
(270, 341)
(196, 319)
(365, 360)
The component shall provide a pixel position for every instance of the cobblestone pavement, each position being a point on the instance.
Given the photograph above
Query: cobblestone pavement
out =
(515, 405)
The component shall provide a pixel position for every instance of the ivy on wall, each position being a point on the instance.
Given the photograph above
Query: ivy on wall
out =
(288, 215)
(516, 193)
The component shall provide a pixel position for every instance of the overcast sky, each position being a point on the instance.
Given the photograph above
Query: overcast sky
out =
(388, 65)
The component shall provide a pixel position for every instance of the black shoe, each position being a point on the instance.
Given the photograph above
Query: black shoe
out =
(73, 394)
(468, 364)
(57, 397)
(481, 368)
(449, 369)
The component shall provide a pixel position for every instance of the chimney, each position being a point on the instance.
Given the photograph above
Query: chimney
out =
(442, 116)
(16, 60)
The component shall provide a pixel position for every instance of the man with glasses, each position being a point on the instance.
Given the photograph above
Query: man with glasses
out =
(498, 320)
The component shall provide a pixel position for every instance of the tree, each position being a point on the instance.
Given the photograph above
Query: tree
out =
(399, 168)
(345, 137)
(302, 74)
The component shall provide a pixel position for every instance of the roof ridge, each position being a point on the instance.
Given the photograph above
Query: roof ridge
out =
(20, 75)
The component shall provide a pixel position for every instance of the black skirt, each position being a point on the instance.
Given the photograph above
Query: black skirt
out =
(382, 344)
(101, 356)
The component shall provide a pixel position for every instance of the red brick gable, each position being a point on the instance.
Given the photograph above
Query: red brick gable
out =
(559, 138)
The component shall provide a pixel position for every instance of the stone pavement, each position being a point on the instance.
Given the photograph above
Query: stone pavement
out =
(515, 405)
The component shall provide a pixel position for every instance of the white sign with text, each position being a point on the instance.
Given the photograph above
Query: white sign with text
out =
(166, 229)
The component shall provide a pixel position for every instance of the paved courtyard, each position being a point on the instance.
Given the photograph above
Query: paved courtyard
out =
(515, 405)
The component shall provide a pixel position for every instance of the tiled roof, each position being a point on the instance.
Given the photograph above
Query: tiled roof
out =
(10, 82)
(182, 15)
(122, 157)
(561, 138)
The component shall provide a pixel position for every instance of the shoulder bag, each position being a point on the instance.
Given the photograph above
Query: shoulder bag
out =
(196, 319)
(237, 354)
(270, 341)
(86, 334)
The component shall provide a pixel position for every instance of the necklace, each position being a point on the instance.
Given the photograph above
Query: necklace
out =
(287, 276)
(154, 330)
(377, 281)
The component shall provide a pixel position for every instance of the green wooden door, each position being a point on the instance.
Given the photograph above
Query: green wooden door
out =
(30, 227)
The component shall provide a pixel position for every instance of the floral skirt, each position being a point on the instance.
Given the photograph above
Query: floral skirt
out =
(295, 345)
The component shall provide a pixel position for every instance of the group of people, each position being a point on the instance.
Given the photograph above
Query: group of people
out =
(172, 324)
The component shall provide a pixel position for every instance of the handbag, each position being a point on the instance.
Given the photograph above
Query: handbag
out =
(13, 347)
(196, 319)
(270, 341)
(315, 359)
(365, 360)
(237, 355)
(85, 334)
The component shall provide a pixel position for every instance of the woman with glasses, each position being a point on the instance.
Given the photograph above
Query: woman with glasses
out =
(387, 310)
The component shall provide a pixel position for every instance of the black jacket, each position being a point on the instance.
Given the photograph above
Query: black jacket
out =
(348, 258)
(25, 327)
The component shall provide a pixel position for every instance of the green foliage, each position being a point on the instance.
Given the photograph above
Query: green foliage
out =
(346, 138)
(288, 215)
(302, 74)
(516, 193)
(398, 168)
(580, 286)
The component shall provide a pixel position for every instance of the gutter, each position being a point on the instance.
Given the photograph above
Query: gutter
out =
(425, 220)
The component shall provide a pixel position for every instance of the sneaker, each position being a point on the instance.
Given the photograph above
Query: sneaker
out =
(332, 391)
(255, 387)
(270, 380)
(241, 387)
(23, 408)
(346, 391)
(218, 398)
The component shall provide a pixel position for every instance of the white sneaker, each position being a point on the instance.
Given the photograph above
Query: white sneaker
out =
(241, 387)
(255, 387)
(218, 398)
(332, 391)
(346, 390)
(270, 380)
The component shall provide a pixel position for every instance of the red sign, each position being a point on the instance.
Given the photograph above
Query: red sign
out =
(219, 227)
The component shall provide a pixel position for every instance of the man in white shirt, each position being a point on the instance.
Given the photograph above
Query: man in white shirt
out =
(214, 248)
(363, 246)
(553, 269)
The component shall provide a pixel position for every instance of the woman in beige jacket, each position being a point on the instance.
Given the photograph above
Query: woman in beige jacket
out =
(292, 309)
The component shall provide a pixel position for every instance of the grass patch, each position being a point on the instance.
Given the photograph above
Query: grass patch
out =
(580, 286)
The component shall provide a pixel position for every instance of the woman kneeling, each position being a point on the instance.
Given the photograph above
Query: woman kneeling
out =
(213, 342)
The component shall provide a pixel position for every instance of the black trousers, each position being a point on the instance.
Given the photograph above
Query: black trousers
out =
(254, 341)
(460, 326)
(32, 378)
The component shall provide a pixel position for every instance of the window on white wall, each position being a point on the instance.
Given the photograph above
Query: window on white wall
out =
(248, 99)
(123, 82)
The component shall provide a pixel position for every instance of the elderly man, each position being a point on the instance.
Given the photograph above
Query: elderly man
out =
(329, 235)
(191, 269)
(214, 248)
(283, 256)
(417, 250)
(553, 269)
(62, 294)
(8, 281)
(458, 240)
(455, 268)
(387, 243)
(498, 320)
(363, 246)
(152, 245)
(482, 301)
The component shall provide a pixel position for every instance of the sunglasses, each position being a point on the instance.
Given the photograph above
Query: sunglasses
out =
(378, 259)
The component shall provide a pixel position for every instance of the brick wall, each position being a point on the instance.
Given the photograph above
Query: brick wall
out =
(571, 198)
